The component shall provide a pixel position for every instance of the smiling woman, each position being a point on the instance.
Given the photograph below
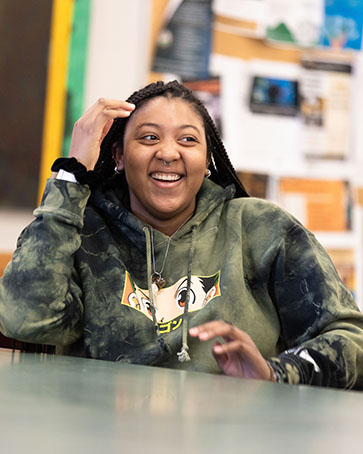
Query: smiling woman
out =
(164, 155)
(147, 249)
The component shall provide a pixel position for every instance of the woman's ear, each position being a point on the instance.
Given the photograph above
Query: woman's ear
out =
(118, 156)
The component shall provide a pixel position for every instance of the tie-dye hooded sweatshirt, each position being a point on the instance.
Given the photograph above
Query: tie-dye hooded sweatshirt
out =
(79, 280)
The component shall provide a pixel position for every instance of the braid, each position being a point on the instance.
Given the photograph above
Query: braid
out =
(221, 167)
(222, 170)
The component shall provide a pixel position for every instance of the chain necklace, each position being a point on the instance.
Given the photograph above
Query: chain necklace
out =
(158, 282)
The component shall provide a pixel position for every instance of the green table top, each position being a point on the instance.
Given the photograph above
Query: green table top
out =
(54, 404)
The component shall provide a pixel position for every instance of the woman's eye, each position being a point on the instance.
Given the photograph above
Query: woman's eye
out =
(149, 137)
(188, 140)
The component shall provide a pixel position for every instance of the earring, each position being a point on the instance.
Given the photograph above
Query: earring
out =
(208, 174)
(116, 170)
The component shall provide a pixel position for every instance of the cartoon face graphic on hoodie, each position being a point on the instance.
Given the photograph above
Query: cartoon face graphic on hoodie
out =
(171, 300)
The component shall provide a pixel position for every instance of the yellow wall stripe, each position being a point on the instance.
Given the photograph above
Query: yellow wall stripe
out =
(55, 101)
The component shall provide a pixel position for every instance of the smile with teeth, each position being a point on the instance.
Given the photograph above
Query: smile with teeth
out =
(165, 176)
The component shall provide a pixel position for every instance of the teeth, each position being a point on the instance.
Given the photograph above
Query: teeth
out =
(165, 176)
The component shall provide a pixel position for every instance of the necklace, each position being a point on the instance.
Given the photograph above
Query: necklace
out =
(158, 282)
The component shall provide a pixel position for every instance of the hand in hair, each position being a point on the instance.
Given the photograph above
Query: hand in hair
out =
(239, 356)
(90, 130)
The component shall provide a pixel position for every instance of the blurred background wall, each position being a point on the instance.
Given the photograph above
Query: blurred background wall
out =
(47, 85)
(23, 71)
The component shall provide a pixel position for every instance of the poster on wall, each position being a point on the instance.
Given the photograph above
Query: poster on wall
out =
(209, 92)
(321, 205)
(184, 43)
(240, 17)
(343, 24)
(325, 106)
(296, 22)
(275, 96)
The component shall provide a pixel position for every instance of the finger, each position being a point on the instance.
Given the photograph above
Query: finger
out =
(230, 347)
(106, 128)
(241, 359)
(221, 358)
(95, 126)
(107, 105)
(206, 327)
(217, 328)
(108, 114)
(116, 104)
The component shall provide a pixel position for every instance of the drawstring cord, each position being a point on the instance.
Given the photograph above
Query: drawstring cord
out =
(183, 355)
(147, 231)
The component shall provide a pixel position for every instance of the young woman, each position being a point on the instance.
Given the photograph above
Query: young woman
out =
(146, 249)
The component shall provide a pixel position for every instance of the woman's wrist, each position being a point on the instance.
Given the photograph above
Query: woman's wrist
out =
(273, 376)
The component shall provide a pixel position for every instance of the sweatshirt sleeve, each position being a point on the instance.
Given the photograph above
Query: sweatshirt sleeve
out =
(321, 324)
(40, 292)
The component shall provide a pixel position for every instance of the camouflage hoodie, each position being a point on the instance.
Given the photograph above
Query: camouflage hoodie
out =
(79, 280)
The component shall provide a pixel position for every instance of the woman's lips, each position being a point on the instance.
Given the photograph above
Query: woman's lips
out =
(159, 176)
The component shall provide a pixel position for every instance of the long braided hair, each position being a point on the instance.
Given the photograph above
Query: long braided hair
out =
(222, 170)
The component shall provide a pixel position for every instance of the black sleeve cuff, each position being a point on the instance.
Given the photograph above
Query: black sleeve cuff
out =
(83, 176)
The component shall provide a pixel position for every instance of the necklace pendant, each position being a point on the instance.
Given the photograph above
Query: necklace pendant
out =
(158, 280)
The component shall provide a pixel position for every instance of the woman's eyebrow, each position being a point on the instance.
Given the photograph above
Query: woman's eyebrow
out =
(189, 126)
(148, 124)
(156, 125)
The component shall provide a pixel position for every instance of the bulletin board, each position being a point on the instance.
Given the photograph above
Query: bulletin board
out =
(226, 44)
(284, 157)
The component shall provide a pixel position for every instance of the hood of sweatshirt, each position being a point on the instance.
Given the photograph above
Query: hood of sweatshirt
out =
(115, 207)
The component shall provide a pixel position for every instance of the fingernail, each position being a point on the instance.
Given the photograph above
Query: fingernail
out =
(193, 331)
(218, 348)
(131, 105)
(204, 335)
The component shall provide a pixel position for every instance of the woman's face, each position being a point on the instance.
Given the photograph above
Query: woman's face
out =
(163, 131)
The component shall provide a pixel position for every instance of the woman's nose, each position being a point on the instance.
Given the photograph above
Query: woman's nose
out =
(168, 152)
